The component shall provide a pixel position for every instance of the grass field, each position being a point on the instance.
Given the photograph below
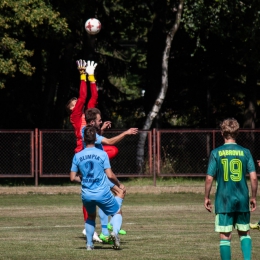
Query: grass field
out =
(163, 225)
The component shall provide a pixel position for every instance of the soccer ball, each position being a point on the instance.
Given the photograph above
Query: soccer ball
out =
(93, 26)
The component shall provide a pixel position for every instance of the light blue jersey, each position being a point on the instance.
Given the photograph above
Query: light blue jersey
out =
(92, 162)
(98, 143)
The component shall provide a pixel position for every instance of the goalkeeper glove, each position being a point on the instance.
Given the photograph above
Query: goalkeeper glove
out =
(90, 70)
(81, 64)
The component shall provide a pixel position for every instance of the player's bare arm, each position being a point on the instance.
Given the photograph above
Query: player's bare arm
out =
(254, 186)
(116, 139)
(74, 177)
(208, 185)
(112, 177)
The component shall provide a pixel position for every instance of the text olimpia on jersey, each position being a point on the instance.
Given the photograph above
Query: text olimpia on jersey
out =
(229, 164)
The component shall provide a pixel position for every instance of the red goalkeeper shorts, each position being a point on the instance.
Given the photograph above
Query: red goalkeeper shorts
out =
(111, 151)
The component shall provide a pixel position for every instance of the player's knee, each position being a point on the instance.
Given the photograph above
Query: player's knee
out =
(118, 212)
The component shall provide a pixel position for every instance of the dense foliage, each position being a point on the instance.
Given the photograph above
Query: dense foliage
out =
(213, 64)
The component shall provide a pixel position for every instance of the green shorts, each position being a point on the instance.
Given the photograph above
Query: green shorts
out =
(224, 222)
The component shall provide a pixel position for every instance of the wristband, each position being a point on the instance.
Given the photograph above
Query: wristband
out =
(91, 78)
(83, 77)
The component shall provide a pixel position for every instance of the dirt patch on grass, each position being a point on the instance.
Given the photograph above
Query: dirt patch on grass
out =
(76, 189)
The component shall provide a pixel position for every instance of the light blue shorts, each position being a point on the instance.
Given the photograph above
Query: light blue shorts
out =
(107, 203)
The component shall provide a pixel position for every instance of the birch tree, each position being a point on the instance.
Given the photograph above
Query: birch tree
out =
(164, 86)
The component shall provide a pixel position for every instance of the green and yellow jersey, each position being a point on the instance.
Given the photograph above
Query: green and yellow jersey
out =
(229, 164)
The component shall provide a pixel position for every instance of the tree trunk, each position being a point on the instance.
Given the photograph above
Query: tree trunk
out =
(164, 86)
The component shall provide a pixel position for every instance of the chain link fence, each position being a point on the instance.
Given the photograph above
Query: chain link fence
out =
(49, 153)
(183, 152)
(186, 152)
(17, 153)
(57, 150)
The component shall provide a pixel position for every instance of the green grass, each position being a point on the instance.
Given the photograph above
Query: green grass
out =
(163, 181)
(160, 181)
(161, 226)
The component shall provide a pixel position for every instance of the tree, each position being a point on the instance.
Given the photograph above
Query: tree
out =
(27, 30)
(234, 25)
(215, 52)
(164, 86)
(18, 21)
(39, 71)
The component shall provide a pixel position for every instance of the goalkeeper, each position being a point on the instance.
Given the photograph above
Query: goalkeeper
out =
(75, 106)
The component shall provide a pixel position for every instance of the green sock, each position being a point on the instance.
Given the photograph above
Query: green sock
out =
(225, 249)
(246, 246)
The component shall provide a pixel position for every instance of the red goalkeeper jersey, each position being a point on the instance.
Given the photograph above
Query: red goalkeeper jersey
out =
(77, 117)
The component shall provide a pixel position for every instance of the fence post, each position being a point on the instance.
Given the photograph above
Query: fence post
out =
(154, 156)
(36, 161)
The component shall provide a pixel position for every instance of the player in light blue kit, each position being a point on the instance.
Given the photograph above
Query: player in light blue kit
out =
(93, 118)
(94, 166)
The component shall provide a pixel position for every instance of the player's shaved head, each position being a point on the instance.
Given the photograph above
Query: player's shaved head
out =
(229, 128)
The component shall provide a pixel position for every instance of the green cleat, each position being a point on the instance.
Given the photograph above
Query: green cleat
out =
(121, 231)
(105, 239)
(254, 226)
